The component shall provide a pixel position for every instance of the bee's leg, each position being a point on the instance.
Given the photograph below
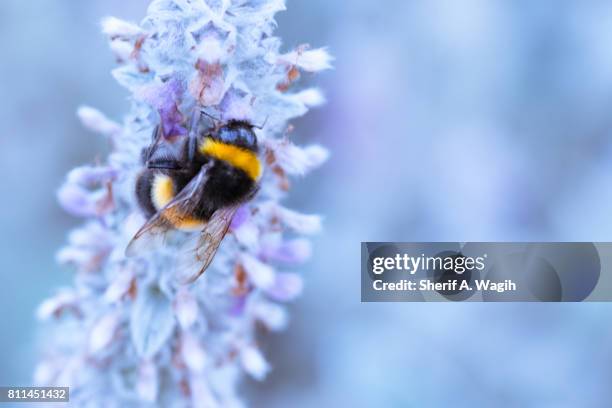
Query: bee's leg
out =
(145, 153)
(144, 184)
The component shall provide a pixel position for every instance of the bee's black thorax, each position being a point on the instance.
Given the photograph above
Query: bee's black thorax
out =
(226, 185)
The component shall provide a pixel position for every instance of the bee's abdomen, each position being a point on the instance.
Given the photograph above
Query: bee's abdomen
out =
(162, 190)
(154, 190)
(144, 183)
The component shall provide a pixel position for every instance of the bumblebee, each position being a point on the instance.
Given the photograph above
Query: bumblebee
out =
(196, 183)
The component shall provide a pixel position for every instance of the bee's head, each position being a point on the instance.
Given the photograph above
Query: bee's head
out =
(239, 133)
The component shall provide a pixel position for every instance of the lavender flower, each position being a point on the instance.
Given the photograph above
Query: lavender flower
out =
(127, 333)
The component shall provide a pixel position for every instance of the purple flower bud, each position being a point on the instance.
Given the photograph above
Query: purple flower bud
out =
(287, 286)
(165, 98)
(84, 203)
(289, 252)
(92, 175)
(240, 217)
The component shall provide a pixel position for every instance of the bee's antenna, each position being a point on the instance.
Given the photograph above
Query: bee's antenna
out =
(194, 125)
(157, 135)
(203, 112)
(263, 124)
(193, 136)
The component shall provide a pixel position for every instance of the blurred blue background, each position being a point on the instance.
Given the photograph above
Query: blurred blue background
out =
(473, 120)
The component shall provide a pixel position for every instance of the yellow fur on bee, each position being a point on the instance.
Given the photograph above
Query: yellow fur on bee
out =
(162, 190)
(182, 221)
(238, 157)
(189, 224)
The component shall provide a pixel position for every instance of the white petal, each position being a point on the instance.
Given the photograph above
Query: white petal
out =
(130, 77)
(95, 120)
(211, 50)
(92, 235)
(193, 353)
(237, 105)
(297, 160)
(119, 286)
(80, 257)
(123, 50)
(65, 298)
(272, 315)
(201, 394)
(151, 322)
(89, 247)
(103, 332)
(148, 382)
(247, 234)
(311, 97)
(300, 223)
(314, 60)
(185, 308)
(254, 363)
(75, 199)
(259, 273)
(46, 371)
(114, 27)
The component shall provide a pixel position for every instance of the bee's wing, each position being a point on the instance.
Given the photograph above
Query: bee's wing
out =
(183, 204)
(196, 255)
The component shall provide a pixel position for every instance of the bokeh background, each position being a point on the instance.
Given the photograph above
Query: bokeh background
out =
(462, 121)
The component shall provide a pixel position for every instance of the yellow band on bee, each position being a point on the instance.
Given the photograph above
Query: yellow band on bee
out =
(182, 221)
(238, 157)
(162, 190)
